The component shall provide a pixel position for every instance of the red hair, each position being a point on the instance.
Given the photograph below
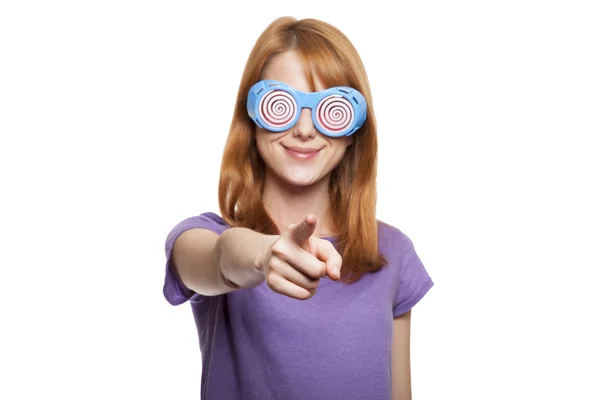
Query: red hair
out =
(329, 55)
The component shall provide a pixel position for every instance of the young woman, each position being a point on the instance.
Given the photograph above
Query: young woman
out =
(298, 291)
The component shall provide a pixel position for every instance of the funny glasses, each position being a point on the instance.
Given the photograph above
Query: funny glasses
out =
(337, 111)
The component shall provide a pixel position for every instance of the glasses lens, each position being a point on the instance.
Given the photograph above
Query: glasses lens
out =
(277, 109)
(335, 114)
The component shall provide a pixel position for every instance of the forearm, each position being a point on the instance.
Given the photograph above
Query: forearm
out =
(239, 252)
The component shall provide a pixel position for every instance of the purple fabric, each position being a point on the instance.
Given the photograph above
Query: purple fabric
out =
(258, 345)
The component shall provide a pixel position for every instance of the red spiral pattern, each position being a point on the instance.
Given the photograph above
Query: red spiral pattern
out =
(277, 108)
(335, 113)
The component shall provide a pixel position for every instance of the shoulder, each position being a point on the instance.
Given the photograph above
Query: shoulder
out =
(207, 217)
(214, 218)
(399, 250)
(391, 239)
(207, 220)
(409, 276)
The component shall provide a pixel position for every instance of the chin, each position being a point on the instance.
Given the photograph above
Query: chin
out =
(300, 178)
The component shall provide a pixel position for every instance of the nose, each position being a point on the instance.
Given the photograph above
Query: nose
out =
(305, 129)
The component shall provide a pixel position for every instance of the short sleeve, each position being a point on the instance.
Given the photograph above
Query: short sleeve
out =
(174, 290)
(414, 281)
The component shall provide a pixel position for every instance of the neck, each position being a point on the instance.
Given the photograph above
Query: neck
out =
(288, 204)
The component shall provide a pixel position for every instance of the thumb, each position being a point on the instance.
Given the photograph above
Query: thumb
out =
(327, 252)
(301, 231)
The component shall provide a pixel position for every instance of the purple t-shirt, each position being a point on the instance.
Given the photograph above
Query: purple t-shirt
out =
(260, 345)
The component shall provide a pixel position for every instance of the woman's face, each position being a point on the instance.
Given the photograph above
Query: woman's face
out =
(300, 156)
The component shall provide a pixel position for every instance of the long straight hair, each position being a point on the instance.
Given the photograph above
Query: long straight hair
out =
(329, 55)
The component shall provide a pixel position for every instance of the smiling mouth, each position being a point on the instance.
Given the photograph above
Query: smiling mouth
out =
(301, 153)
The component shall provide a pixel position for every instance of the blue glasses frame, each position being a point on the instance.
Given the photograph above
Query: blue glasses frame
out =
(300, 100)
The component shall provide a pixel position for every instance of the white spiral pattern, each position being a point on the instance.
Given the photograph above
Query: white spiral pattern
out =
(335, 113)
(277, 108)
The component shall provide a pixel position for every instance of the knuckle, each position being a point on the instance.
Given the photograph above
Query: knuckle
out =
(315, 270)
(314, 273)
(322, 270)
(275, 247)
(272, 263)
(278, 247)
(312, 284)
(305, 295)
(272, 281)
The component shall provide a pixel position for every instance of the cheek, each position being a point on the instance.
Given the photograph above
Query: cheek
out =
(262, 140)
(339, 149)
(266, 142)
(260, 145)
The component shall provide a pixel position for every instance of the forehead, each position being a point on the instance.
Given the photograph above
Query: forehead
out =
(289, 68)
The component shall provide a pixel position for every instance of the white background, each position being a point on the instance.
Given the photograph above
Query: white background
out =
(113, 117)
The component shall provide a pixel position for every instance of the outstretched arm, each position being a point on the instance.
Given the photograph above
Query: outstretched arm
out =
(210, 264)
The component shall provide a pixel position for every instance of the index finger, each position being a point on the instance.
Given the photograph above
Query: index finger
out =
(301, 231)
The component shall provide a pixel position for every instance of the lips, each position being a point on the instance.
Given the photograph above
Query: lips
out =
(301, 153)
(301, 149)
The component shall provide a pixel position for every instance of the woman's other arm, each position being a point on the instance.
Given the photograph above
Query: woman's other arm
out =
(401, 382)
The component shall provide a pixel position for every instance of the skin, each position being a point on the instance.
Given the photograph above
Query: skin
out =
(295, 188)
(401, 382)
(300, 187)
